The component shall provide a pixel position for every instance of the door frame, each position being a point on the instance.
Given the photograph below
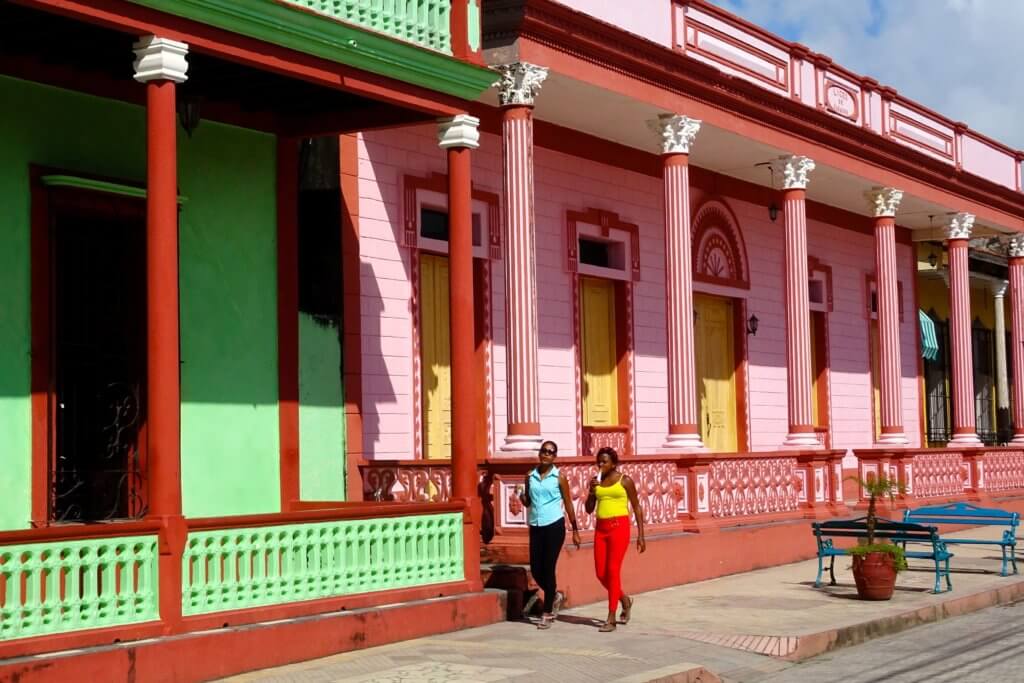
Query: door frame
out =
(43, 201)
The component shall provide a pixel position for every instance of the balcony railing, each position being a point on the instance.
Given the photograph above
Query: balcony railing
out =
(426, 23)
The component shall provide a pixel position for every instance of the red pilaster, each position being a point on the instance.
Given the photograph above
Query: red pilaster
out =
(794, 171)
(1016, 267)
(160, 64)
(683, 427)
(288, 316)
(964, 431)
(459, 136)
(886, 201)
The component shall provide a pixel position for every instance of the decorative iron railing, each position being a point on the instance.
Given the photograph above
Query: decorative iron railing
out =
(422, 22)
(238, 568)
(67, 585)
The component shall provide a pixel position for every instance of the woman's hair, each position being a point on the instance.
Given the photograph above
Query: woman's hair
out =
(552, 444)
(610, 452)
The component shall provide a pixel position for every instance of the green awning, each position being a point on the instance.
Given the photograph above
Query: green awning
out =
(929, 340)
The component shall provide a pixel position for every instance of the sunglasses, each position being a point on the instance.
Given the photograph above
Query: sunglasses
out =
(548, 451)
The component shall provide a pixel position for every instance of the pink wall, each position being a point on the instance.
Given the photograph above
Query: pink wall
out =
(653, 22)
(566, 183)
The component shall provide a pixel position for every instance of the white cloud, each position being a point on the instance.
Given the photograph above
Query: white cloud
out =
(962, 58)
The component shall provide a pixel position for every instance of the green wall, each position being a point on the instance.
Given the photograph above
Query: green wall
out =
(228, 301)
(321, 411)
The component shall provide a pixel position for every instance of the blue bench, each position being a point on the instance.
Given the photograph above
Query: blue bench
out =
(888, 530)
(971, 515)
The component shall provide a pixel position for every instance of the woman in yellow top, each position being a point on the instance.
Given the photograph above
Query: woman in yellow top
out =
(610, 492)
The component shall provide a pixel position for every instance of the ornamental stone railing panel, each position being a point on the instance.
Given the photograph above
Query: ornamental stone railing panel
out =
(741, 487)
(937, 474)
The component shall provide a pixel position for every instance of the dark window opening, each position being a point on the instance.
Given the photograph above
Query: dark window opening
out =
(816, 291)
(434, 224)
(597, 253)
(320, 284)
(936, 380)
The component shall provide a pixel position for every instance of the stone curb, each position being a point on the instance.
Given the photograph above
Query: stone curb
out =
(684, 672)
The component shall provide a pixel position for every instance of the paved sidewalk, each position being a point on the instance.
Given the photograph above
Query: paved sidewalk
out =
(741, 627)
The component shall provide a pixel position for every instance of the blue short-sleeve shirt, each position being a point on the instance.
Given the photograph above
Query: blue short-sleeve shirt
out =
(545, 498)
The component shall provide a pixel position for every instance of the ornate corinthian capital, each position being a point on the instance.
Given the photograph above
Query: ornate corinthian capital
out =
(1015, 245)
(959, 227)
(793, 170)
(675, 132)
(885, 201)
(160, 59)
(520, 82)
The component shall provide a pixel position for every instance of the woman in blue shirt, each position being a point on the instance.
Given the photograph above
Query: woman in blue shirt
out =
(546, 494)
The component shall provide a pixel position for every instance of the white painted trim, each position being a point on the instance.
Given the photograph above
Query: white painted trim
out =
(428, 199)
(623, 238)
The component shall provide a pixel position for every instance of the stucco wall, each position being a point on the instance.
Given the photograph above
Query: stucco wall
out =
(567, 183)
(228, 290)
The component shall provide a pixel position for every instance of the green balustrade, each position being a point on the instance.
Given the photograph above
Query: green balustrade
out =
(61, 586)
(230, 569)
(421, 22)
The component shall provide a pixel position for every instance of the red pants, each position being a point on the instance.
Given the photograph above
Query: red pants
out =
(611, 540)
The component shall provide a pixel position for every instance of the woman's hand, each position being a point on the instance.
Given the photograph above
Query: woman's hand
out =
(641, 544)
(576, 539)
(593, 484)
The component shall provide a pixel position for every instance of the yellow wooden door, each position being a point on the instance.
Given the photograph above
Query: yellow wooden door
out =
(716, 372)
(599, 357)
(815, 413)
(436, 357)
(876, 382)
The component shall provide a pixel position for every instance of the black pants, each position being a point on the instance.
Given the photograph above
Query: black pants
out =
(545, 545)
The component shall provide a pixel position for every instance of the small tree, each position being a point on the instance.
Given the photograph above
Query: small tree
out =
(877, 487)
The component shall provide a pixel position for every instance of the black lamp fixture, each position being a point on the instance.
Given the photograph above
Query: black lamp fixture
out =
(932, 259)
(188, 114)
(752, 325)
(773, 211)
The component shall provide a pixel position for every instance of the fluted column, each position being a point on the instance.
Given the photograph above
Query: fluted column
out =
(885, 201)
(794, 171)
(1002, 381)
(958, 233)
(676, 135)
(519, 85)
(1016, 267)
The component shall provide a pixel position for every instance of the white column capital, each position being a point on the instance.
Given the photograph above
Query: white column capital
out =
(884, 201)
(793, 170)
(676, 132)
(462, 130)
(1015, 245)
(959, 226)
(520, 82)
(160, 59)
(999, 288)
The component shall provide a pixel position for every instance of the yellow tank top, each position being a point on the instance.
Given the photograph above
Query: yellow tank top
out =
(612, 501)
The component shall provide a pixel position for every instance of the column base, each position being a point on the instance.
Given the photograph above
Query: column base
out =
(522, 443)
(1018, 439)
(893, 439)
(686, 443)
(966, 439)
(801, 440)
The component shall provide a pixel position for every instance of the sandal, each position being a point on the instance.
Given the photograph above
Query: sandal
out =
(530, 604)
(607, 627)
(627, 610)
(559, 601)
(546, 621)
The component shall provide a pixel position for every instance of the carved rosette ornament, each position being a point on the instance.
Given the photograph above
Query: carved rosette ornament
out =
(520, 82)
(1015, 245)
(676, 133)
(959, 227)
(793, 170)
(885, 201)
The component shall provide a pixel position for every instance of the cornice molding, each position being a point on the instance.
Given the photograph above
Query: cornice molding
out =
(588, 39)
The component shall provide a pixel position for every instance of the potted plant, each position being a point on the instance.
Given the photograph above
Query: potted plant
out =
(875, 565)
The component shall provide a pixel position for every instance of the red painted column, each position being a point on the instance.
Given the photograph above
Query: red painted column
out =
(676, 134)
(160, 64)
(958, 234)
(885, 201)
(794, 171)
(518, 88)
(1016, 266)
(458, 136)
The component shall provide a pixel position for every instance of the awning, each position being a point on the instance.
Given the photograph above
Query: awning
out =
(929, 340)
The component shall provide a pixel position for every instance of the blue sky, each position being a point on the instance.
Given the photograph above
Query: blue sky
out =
(959, 57)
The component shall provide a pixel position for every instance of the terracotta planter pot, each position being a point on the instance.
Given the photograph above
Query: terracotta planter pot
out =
(875, 575)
